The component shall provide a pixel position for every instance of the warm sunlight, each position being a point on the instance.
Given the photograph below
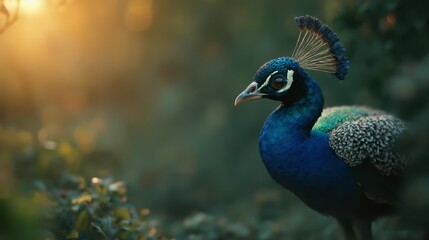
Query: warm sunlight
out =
(117, 119)
(31, 6)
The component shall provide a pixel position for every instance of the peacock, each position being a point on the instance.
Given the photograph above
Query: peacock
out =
(340, 161)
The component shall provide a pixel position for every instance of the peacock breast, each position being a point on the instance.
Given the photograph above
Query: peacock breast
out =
(307, 166)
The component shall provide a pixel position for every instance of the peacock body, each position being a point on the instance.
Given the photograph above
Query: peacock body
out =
(339, 161)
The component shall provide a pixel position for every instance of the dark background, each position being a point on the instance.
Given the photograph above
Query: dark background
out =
(143, 90)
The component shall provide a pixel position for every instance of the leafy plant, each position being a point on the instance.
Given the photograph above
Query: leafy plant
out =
(99, 210)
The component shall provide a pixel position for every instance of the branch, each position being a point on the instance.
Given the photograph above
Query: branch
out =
(5, 11)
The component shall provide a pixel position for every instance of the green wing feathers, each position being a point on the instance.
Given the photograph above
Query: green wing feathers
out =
(333, 117)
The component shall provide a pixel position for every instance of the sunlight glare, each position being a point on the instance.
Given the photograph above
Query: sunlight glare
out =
(31, 6)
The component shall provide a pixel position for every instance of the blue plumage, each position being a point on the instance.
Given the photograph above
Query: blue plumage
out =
(300, 159)
(343, 165)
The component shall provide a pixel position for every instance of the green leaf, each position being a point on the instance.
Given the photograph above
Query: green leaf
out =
(83, 221)
(82, 199)
(73, 234)
(122, 213)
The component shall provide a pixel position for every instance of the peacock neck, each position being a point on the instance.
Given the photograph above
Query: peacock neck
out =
(286, 130)
(287, 146)
(300, 116)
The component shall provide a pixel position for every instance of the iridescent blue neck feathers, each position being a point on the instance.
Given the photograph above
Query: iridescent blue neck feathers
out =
(299, 115)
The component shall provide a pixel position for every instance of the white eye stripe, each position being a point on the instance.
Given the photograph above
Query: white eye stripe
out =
(289, 81)
(267, 80)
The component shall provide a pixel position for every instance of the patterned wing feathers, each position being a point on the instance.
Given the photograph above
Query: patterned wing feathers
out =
(370, 138)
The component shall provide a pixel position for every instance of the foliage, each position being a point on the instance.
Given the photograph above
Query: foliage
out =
(98, 211)
(382, 36)
(67, 206)
(414, 205)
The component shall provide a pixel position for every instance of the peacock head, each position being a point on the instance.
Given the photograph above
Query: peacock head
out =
(280, 79)
(283, 79)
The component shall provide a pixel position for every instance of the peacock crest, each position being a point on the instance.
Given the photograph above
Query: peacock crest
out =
(318, 48)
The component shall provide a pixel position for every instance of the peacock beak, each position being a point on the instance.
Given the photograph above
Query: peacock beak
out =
(251, 92)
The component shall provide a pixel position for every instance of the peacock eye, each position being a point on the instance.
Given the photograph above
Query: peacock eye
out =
(278, 82)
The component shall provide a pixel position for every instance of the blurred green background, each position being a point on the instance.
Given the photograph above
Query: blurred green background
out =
(142, 91)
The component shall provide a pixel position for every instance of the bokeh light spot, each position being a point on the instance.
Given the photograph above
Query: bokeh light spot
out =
(32, 6)
(138, 16)
(391, 19)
